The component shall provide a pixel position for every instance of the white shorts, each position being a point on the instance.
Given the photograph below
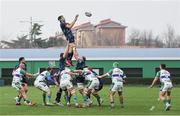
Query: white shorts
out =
(118, 86)
(66, 84)
(42, 86)
(93, 84)
(17, 85)
(166, 87)
(80, 85)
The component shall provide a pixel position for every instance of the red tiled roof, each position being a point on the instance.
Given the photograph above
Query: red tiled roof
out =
(87, 24)
(107, 21)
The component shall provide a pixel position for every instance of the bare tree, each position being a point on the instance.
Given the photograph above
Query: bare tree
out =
(169, 36)
(134, 37)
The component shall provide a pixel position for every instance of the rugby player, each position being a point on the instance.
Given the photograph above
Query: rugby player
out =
(118, 78)
(166, 85)
(66, 29)
(18, 85)
(41, 83)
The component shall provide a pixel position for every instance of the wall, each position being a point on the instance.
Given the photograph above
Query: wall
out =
(148, 66)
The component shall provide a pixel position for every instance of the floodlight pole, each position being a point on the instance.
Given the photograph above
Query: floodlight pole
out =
(31, 25)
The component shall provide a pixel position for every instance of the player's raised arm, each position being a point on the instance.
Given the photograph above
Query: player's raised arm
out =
(72, 23)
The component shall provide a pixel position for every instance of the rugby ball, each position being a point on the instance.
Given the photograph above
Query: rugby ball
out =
(88, 14)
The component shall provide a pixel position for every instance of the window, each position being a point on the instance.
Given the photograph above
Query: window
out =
(175, 72)
(133, 72)
(54, 70)
(6, 72)
(99, 71)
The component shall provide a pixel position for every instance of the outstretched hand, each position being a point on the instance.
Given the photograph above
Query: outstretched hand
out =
(76, 17)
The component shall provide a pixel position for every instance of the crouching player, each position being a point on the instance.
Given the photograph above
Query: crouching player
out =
(41, 83)
(164, 94)
(117, 76)
(18, 74)
(66, 85)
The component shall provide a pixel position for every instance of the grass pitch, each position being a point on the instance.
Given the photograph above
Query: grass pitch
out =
(137, 100)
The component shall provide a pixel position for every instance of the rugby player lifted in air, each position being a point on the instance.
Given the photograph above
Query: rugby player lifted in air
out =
(66, 29)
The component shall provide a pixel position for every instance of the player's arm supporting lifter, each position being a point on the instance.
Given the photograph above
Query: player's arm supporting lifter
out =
(104, 75)
(55, 81)
(76, 72)
(31, 75)
(66, 51)
(72, 24)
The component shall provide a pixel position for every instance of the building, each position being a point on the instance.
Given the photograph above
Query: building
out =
(140, 65)
(85, 35)
(110, 33)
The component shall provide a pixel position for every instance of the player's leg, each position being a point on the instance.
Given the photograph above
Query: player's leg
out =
(24, 96)
(17, 86)
(75, 98)
(112, 93)
(46, 91)
(80, 88)
(26, 87)
(120, 93)
(111, 98)
(48, 96)
(168, 93)
(98, 98)
(44, 98)
(58, 97)
(95, 93)
(163, 94)
(76, 55)
(163, 98)
(86, 92)
(92, 85)
(168, 97)
(121, 100)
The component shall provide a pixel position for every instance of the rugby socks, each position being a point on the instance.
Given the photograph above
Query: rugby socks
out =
(44, 98)
(68, 98)
(98, 98)
(58, 96)
(75, 99)
(169, 101)
(85, 99)
(49, 98)
(112, 103)
(27, 101)
(121, 102)
(19, 98)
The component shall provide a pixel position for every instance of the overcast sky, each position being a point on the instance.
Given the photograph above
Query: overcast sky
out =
(140, 14)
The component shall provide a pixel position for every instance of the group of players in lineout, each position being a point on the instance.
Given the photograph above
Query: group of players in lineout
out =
(82, 74)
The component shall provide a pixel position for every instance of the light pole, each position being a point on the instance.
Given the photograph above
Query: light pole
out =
(31, 21)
